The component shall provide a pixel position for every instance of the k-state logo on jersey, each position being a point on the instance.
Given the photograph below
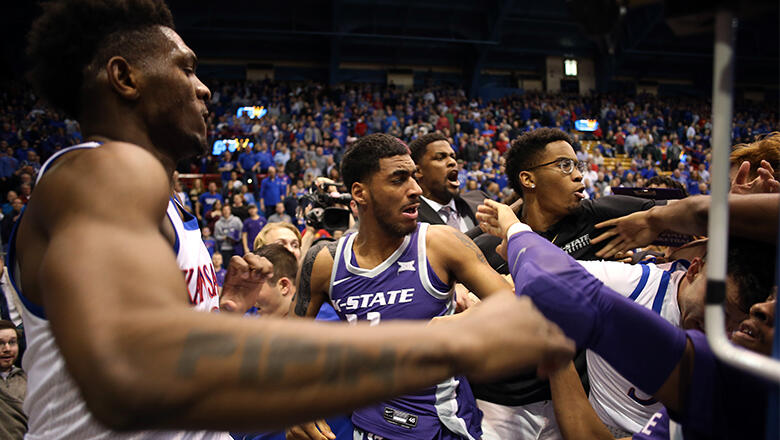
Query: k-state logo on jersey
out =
(390, 297)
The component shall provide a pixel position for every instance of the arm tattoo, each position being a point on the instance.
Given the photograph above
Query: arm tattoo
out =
(337, 364)
(470, 244)
(303, 292)
(202, 345)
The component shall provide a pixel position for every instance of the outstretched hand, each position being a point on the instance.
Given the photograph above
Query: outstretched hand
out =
(629, 232)
(495, 218)
(243, 282)
(763, 183)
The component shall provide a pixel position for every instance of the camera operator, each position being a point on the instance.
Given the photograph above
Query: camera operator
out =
(325, 211)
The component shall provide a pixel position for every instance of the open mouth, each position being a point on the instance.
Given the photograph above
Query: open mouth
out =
(580, 193)
(452, 178)
(746, 333)
(411, 211)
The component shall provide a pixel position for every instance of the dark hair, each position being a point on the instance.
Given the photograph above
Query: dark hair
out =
(4, 324)
(419, 146)
(285, 264)
(751, 265)
(525, 151)
(72, 39)
(668, 181)
(362, 158)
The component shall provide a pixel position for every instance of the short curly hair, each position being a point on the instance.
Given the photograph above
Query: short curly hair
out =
(362, 159)
(526, 150)
(419, 146)
(73, 38)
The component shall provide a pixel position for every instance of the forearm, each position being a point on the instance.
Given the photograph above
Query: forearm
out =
(626, 335)
(686, 216)
(576, 418)
(222, 372)
(750, 216)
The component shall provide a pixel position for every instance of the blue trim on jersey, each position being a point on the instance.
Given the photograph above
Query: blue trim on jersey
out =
(642, 282)
(682, 262)
(10, 264)
(436, 282)
(10, 258)
(658, 302)
(190, 221)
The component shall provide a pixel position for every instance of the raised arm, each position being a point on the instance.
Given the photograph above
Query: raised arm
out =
(753, 216)
(452, 253)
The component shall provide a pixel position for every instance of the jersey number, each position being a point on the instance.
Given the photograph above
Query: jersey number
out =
(373, 318)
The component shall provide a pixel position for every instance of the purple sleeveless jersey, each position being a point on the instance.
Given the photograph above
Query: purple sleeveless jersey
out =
(404, 287)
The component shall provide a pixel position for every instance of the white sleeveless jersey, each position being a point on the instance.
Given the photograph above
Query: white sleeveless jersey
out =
(617, 401)
(53, 403)
(194, 259)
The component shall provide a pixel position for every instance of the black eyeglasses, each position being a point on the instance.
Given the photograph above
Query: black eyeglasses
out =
(565, 164)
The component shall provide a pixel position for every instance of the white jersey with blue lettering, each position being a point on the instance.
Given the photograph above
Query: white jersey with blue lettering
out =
(617, 402)
(53, 403)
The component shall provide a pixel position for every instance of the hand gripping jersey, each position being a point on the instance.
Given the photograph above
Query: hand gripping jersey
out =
(617, 401)
(404, 287)
(53, 403)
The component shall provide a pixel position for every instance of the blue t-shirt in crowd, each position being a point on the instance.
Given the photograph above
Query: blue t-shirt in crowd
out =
(8, 165)
(501, 180)
(265, 159)
(231, 165)
(272, 190)
(211, 244)
(207, 200)
(247, 160)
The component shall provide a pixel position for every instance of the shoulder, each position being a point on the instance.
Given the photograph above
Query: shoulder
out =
(445, 239)
(122, 172)
(318, 261)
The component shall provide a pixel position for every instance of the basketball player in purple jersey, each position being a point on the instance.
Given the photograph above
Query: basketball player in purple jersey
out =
(392, 268)
(114, 343)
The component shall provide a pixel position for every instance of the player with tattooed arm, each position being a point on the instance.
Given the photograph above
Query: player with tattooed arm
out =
(114, 340)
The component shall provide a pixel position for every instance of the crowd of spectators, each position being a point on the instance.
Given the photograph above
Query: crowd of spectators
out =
(306, 127)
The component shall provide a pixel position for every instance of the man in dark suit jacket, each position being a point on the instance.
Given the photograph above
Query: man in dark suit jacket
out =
(437, 175)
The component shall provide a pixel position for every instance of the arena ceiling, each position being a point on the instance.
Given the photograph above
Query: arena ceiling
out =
(491, 34)
(651, 39)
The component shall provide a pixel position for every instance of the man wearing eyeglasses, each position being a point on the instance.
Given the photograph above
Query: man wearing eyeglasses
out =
(13, 384)
(543, 169)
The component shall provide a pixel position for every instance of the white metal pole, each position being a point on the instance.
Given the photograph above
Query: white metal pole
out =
(722, 102)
